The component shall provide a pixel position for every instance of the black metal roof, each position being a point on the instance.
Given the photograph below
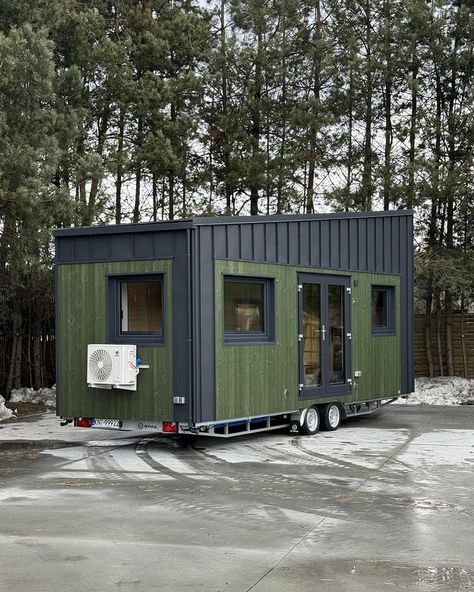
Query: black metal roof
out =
(184, 223)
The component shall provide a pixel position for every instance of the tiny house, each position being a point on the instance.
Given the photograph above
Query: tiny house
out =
(231, 325)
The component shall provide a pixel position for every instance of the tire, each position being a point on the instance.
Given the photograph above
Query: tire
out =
(331, 417)
(311, 421)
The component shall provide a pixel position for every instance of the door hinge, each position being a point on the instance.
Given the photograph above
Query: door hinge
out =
(349, 336)
(300, 336)
(349, 290)
(349, 381)
(300, 287)
(300, 386)
(178, 400)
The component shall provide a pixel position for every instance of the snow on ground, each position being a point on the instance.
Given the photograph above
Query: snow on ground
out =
(444, 390)
(46, 396)
(5, 413)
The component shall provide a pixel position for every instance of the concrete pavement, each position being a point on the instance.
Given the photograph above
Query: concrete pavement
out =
(384, 503)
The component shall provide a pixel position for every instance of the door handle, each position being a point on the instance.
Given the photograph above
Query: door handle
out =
(323, 332)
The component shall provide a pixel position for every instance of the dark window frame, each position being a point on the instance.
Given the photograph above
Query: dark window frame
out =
(390, 306)
(242, 337)
(114, 302)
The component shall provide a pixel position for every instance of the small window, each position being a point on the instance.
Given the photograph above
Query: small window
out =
(383, 310)
(136, 309)
(248, 309)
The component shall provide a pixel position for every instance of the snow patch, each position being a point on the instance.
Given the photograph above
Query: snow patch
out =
(5, 413)
(46, 396)
(444, 390)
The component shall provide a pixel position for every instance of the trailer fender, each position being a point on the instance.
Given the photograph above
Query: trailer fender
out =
(303, 415)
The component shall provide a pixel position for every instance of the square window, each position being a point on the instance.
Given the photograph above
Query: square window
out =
(248, 309)
(383, 310)
(136, 309)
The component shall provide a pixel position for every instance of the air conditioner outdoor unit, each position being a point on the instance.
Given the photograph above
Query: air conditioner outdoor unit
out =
(112, 366)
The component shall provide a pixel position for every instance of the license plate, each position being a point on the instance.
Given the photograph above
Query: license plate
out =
(107, 423)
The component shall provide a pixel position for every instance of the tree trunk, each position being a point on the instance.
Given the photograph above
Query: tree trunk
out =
(449, 332)
(225, 113)
(316, 90)
(387, 171)
(138, 171)
(256, 123)
(37, 382)
(367, 185)
(119, 178)
(428, 337)
(17, 374)
(463, 340)
(154, 190)
(438, 335)
(413, 118)
(16, 320)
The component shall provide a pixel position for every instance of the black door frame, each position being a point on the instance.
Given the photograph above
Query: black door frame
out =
(325, 389)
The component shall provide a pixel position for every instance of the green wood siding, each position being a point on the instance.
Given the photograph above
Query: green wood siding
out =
(82, 314)
(255, 379)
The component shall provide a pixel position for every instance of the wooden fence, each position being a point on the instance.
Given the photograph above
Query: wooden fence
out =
(421, 365)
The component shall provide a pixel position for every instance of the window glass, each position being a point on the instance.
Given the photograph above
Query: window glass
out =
(383, 310)
(243, 307)
(379, 307)
(141, 307)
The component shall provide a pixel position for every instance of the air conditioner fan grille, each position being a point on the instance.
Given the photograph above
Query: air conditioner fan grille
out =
(100, 365)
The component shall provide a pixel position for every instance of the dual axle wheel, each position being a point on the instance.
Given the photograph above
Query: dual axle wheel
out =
(327, 417)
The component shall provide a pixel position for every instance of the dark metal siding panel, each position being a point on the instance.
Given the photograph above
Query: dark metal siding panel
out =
(258, 242)
(305, 247)
(205, 408)
(270, 243)
(121, 246)
(387, 242)
(334, 243)
(395, 250)
(294, 244)
(362, 243)
(406, 288)
(325, 244)
(315, 246)
(181, 361)
(64, 249)
(379, 250)
(82, 248)
(344, 244)
(282, 242)
(370, 244)
(353, 244)
(246, 242)
(220, 241)
(233, 242)
(143, 245)
(101, 247)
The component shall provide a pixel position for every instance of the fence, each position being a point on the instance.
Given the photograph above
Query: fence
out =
(421, 365)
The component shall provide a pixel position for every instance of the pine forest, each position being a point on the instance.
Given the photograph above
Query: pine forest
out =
(119, 111)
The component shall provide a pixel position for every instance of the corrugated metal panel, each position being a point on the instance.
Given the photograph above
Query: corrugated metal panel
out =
(374, 243)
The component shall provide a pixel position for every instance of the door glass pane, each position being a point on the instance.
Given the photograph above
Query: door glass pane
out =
(336, 334)
(311, 334)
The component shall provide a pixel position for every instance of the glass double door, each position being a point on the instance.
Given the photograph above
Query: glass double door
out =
(324, 335)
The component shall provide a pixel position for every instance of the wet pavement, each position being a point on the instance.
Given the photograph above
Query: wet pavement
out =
(384, 503)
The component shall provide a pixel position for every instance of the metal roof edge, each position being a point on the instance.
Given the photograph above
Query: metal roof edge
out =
(203, 220)
(213, 220)
(123, 228)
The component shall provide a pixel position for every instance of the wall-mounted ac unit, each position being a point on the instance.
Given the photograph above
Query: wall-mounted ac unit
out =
(112, 366)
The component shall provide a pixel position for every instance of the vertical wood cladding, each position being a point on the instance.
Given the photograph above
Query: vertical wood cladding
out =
(82, 319)
(255, 379)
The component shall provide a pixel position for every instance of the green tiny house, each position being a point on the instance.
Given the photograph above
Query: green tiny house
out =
(233, 325)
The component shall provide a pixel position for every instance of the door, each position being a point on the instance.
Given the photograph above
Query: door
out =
(324, 335)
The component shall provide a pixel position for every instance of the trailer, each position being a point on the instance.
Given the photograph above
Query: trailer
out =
(233, 325)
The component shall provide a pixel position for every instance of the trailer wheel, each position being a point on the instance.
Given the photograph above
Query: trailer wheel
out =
(311, 421)
(331, 417)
